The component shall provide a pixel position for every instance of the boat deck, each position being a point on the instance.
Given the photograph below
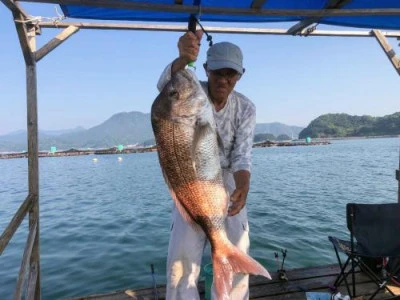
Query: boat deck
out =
(313, 279)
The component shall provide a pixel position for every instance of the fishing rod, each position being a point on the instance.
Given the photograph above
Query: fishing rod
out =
(281, 271)
(155, 291)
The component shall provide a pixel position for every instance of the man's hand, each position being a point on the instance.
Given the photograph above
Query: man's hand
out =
(238, 199)
(239, 195)
(189, 46)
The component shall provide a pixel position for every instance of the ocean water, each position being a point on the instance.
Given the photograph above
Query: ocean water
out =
(104, 223)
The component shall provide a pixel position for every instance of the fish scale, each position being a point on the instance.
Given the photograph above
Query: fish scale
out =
(175, 157)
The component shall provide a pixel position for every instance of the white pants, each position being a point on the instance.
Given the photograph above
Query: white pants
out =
(185, 251)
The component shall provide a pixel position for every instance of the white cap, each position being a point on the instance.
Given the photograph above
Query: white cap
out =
(225, 55)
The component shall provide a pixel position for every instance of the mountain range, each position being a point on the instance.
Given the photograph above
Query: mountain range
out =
(126, 128)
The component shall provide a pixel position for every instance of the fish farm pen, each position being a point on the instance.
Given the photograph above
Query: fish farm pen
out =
(373, 16)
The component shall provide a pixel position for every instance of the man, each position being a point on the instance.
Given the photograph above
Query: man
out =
(235, 117)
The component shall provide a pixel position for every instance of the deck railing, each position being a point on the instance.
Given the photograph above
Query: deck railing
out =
(31, 255)
(31, 258)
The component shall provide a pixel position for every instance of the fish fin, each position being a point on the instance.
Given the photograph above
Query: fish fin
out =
(228, 261)
(179, 206)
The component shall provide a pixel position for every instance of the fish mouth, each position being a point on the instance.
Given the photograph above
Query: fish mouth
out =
(191, 100)
(186, 74)
(193, 83)
(190, 77)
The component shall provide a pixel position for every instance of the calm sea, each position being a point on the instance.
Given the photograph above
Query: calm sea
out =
(103, 223)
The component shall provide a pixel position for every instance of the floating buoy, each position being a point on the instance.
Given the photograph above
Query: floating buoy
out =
(119, 158)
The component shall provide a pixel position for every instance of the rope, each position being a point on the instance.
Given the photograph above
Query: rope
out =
(309, 30)
(209, 37)
(37, 19)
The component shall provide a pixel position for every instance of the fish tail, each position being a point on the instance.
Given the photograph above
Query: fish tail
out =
(225, 266)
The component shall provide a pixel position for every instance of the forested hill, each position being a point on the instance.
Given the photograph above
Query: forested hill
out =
(344, 125)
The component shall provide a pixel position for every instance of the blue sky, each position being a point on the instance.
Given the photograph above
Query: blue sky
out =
(96, 74)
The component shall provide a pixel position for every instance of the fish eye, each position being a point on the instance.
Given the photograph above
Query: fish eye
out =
(173, 94)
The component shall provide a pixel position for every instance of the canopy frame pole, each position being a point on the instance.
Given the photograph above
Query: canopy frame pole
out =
(22, 31)
(212, 29)
(257, 4)
(387, 48)
(55, 42)
(14, 8)
(28, 43)
(193, 9)
(73, 27)
(300, 26)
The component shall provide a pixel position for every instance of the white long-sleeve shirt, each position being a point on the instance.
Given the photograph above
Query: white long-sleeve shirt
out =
(235, 125)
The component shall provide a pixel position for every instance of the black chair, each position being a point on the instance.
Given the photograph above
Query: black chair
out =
(374, 234)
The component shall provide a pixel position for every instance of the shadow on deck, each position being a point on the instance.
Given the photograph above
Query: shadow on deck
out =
(300, 280)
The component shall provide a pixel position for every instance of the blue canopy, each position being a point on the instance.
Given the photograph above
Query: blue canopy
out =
(106, 12)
